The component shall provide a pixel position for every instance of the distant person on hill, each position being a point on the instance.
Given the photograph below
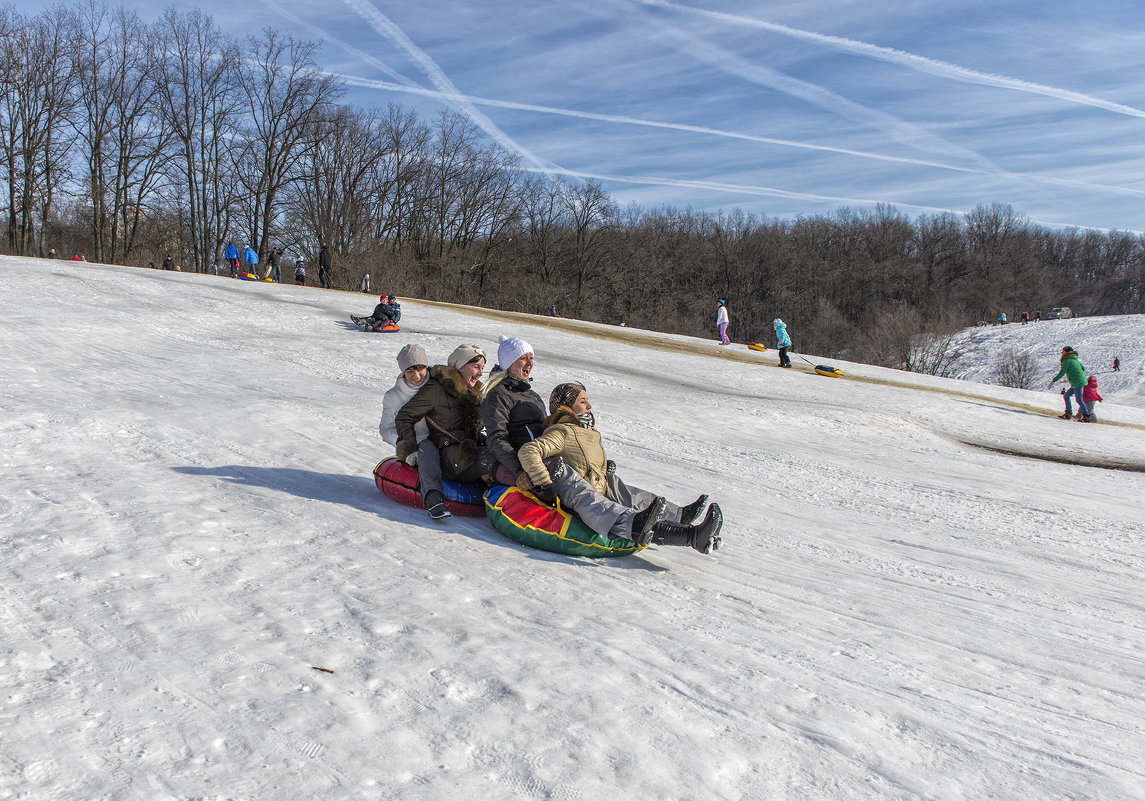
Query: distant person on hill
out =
(365, 287)
(378, 319)
(168, 262)
(273, 271)
(300, 272)
(722, 321)
(250, 260)
(1116, 365)
(231, 254)
(1074, 371)
(324, 267)
(77, 257)
(414, 366)
(1038, 316)
(1002, 318)
(1089, 393)
(782, 341)
(51, 253)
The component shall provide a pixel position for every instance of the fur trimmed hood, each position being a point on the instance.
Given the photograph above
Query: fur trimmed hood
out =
(454, 384)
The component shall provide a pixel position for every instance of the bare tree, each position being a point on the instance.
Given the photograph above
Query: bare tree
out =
(1016, 369)
(36, 102)
(591, 211)
(197, 88)
(283, 95)
(119, 132)
(332, 202)
(405, 143)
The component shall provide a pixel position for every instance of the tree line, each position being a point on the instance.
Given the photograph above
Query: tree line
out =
(125, 141)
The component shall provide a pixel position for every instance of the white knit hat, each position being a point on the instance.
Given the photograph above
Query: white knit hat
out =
(412, 356)
(511, 349)
(464, 355)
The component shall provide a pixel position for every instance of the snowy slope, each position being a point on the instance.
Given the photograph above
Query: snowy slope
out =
(921, 593)
(1098, 340)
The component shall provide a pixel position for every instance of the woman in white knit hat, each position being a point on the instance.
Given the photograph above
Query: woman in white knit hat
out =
(449, 402)
(512, 412)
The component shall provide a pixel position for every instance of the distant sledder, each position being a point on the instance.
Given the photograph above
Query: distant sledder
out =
(384, 317)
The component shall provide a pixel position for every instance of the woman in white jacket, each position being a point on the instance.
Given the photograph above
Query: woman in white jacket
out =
(722, 321)
(414, 365)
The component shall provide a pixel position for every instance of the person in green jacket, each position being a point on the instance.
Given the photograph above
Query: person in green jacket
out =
(1074, 370)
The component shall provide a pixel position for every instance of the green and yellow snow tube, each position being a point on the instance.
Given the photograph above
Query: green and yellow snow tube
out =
(521, 517)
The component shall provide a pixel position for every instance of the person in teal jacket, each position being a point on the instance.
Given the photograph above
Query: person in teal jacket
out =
(1074, 371)
(782, 341)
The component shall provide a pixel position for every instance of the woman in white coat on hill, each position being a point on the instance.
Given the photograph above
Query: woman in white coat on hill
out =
(722, 322)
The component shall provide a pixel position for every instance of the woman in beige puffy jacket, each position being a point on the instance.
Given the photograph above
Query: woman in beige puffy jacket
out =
(568, 462)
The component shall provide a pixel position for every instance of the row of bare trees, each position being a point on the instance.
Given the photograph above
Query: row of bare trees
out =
(123, 141)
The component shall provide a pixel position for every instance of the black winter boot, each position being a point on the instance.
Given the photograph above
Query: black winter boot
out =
(705, 537)
(691, 513)
(665, 533)
(434, 503)
(645, 522)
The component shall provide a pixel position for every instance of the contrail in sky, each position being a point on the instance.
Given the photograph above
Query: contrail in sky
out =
(719, 186)
(768, 191)
(373, 83)
(361, 54)
(905, 132)
(942, 69)
(382, 24)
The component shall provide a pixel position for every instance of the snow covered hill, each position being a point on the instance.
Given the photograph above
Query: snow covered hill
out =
(1098, 340)
(928, 588)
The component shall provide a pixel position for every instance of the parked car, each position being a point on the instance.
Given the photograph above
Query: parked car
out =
(1060, 313)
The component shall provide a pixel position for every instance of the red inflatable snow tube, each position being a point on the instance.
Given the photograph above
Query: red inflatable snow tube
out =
(398, 480)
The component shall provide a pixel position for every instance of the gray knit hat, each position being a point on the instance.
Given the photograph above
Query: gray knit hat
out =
(412, 356)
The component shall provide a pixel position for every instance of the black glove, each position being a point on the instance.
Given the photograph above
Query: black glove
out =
(546, 494)
(610, 468)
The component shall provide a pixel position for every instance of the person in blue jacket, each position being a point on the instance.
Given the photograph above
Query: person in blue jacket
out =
(232, 256)
(782, 341)
(250, 260)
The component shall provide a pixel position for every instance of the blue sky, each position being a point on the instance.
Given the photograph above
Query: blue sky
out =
(783, 108)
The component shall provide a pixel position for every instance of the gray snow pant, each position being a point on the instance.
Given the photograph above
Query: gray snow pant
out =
(604, 516)
(429, 469)
(636, 498)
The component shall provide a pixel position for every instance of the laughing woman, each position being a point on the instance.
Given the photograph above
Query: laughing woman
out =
(512, 412)
(450, 404)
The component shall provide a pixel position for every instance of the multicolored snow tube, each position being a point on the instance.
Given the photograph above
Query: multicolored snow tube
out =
(398, 480)
(521, 517)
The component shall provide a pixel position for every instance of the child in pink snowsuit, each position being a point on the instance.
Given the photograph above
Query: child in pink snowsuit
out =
(1089, 395)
